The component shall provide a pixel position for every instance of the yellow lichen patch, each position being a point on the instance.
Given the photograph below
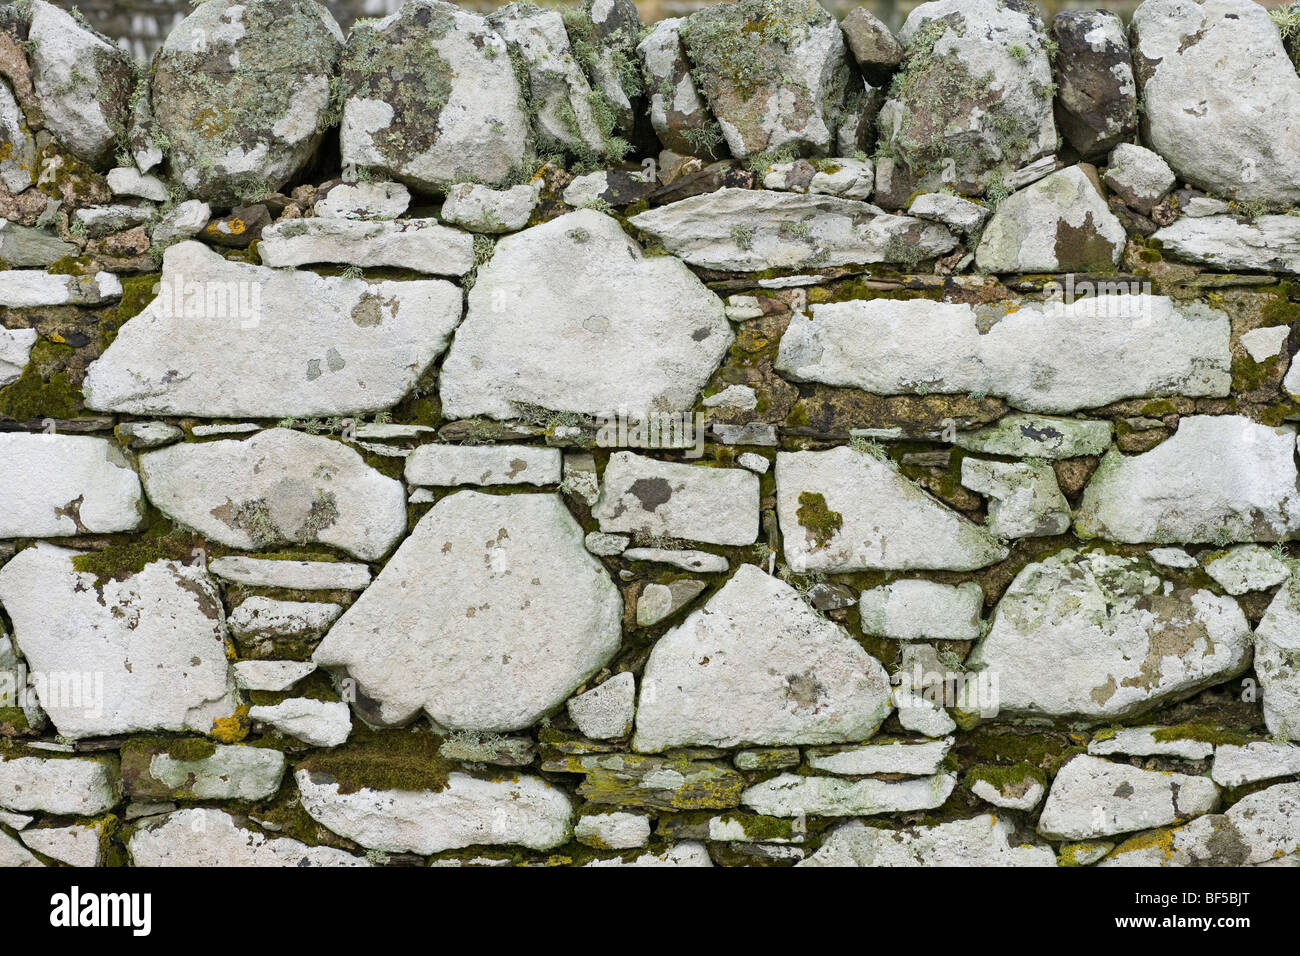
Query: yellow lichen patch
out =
(232, 729)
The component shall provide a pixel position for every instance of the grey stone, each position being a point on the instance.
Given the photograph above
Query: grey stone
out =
(1277, 661)
(364, 200)
(483, 209)
(1038, 436)
(660, 601)
(678, 113)
(448, 465)
(1091, 797)
(913, 609)
(1226, 243)
(1245, 568)
(317, 723)
(60, 485)
(63, 787)
(202, 836)
(1096, 103)
(791, 795)
(985, 840)
(422, 245)
(1024, 498)
(606, 711)
(24, 247)
(1139, 177)
(875, 49)
(292, 575)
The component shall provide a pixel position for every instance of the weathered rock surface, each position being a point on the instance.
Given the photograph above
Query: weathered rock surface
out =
(787, 675)
(424, 245)
(909, 757)
(59, 485)
(144, 653)
(17, 146)
(606, 711)
(483, 209)
(208, 837)
(1218, 478)
(875, 49)
(64, 787)
(1226, 243)
(1245, 568)
(1038, 436)
(317, 723)
(27, 288)
(1236, 765)
(613, 831)
(1024, 500)
(74, 845)
(913, 609)
(447, 465)
(364, 200)
(979, 841)
(293, 575)
(150, 770)
(265, 619)
(1148, 742)
(644, 338)
(1090, 637)
(1091, 797)
(1096, 105)
(1139, 177)
(15, 350)
(791, 795)
(604, 40)
(678, 113)
(23, 247)
(488, 616)
(1277, 661)
(278, 487)
(292, 343)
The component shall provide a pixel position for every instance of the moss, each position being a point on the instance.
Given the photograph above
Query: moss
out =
(814, 515)
(1007, 779)
(1248, 375)
(191, 748)
(161, 541)
(1202, 733)
(37, 396)
(384, 760)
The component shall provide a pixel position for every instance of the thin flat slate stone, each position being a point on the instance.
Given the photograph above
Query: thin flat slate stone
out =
(423, 245)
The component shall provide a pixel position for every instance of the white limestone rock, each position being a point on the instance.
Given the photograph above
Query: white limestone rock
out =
(846, 510)
(1268, 243)
(292, 575)
(59, 786)
(1175, 558)
(1052, 358)
(15, 350)
(278, 487)
(606, 711)
(678, 113)
(922, 716)
(1219, 477)
(423, 245)
(449, 465)
(1235, 765)
(185, 221)
(979, 841)
(644, 338)
(364, 200)
(702, 562)
(790, 795)
(606, 545)
(1038, 436)
(144, 653)
(487, 617)
(1277, 661)
(1092, 636)
(29, 288)
(913, 609)
(17, 145)
(255, 342)
(201, 836)
(13, 854)
(228, 773)
(749, 230)
(523, 810)
(271, 675)
(318, 723)
(613, 831)
(644, 495)
(59, 485)
(260, 618)
(1022, 794)
(657, 602)
(910, 757)
(142, 436)
(1245, 568)
(958, 214)
(1148, 742)
(756, 666)
(128, 181)
(484, 209)
(1025, 500)
(686, 853)
(77, 845)
(1263, 343)
(1139, 177)
(1091, 797)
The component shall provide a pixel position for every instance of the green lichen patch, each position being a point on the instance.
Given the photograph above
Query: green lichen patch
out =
(821, 523)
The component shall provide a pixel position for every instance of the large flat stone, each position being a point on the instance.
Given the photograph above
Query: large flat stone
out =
(978, 841)
(423, 245)
(203, 836)
(57, 485)
(1230, 244)
(1091, 797)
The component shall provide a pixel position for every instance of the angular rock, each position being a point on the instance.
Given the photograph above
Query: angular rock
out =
(1037, 436)
(141, 436)
(260, 618)
(73, 845)
(241, 95)
(1010, 791)
(1221, 97)
(63, 787)
(147, 652)
(278, 487)
(1148, 742)
(364, 200)
(781, 673)
(790, 795)
(1096, 103)
(846, 510)
(201, 836)
(1227, 243)
(643, 339)
(875, 49)
(185, 221)
(979, 841)
(688, 853)
(1245, 568)
(647, 496)
(1265, 342)
(152, 771)
(99, 221)
(606, 711)
(17, 145)
(659, 783)
(702, 562)
(465, 120)
(59, 485)
(747, 230)
(482, 209)
(1024, 498)
(12, 853)
(1277, 661)
(292, 343)
(913, 609)
(959, 215)
(605, 545)
(1139, 177)
(913, 758)
(678, 113)
(272, 675)
(15, 350)
(604, 39)
(1180, 492)
(487, 617)
(128, 181)
(659, 601)
(24, 247)
(292, 575)
(1058, 224)
(1091, 797)
(1235, 766)
(423, 245)
(28, 288)
(613, 831)
(317, 723)
(1090, 637)
(449, 465)
(523, 810)
(1136, 346)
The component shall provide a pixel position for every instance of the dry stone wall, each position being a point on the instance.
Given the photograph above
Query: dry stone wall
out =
(755, 439)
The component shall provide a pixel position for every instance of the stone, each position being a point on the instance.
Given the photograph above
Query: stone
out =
(913, 609)
(678, 112)
(239, 228)
(613, 831)
(1058, 224)
(58, 786)
(241, 95)
(945, 122)
(644, 338)
(292, 575)
(143, 653)
(17, 145)
(560, 98)
(145, 435)
(656, 783)
(128, 181)
(922, 716)
(1277, 661)
(606, 711)
(1148, 742)
(1175, 558)
(615, 187)
(82, 81)
(769, 758)
(275, 676)
(28, 288)
(202, 836)
(1221, 97)
(152, 771)
(1261, 344)
(771, 71)
(59, 485)
(465, 122)
(604, 40)
(364, 200)
(1092, 637)
(1246, 568)
(786, 675)
(688, 853)
(15, 350)
(1224, 242)
(913, 758)
(959, 215)
(13, 854)
(791, 795)
(1236, 766)
(1038, 436)
(1024, 498)
(317, 723)
(1179, 492)
(701, 562)
(748, 230)
(278, 487)
(449, 465)
(846, 510)
(487, 617)
(605, 545)
(1136, 346)
(483, 209)
(1139, 177)
(521, 810)
(1009, 793)
(260, 619)
(293, 343)
(99, 221)
(23, 247)
(754, 462)
(1091, 797)
(1096, 103)
(646, 496)
(980, 841)
(875, 49)
(422, 245)
(78, 845)
(660, 601)
(185, 221)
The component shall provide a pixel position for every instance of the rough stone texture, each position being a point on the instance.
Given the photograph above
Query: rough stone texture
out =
(27, 288)
(790, 795)
(786, 675)
(1277, 661)
(60, 485)
(644, 339)
(1090, 637)
(1235, 765)
(979, 841)
(149, 771)
(317, 723)
(23, 247)
(365, 200)
(613, 831)
(678, 113)
(202, 836)
(1024, 500)
(423, 245)
(293, 575)
(449, 465)
(17, 145)
(259, 618)
(1139, 177)
(914, 609)
(1245, 568)
(1091, 797)
(1218, 478)
(912, 758)
(1148, 742)
(1037, 436)
(875, 49)
(1225, 242)
(1096, 105)
(483, 209)
(294, 343)
(278, 487)
(606, 711)
(60, 786)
